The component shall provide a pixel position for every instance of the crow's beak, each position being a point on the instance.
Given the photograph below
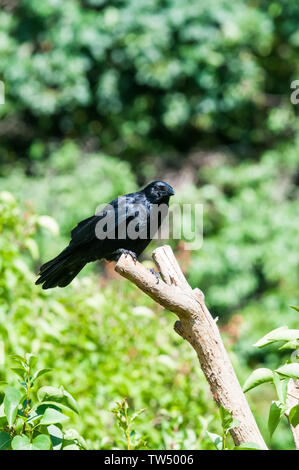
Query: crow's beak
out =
(171, 191)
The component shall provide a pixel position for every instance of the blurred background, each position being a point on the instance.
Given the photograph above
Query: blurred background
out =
(102, 97)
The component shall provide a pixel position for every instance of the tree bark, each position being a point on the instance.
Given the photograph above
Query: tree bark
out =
(197, 326)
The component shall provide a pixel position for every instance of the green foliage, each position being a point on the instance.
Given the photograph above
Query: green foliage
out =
(294, 416)
(102, 97)
(228, 423)
(250, 233)
(132, 440)
(139, 76)
(258, 377)
(31, 419)
(280, 377)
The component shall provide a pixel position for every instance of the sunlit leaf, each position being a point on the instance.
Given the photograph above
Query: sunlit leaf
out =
(294, 415)
(21, 443)
(279, 334)
(275, 414)
(11, 402)
(57, 395)
(258, 377)
(289, 370)
(216, 439)
(52, 416)
(41, 442)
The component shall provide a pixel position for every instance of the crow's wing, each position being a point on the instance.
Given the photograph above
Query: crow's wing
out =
(116, 214)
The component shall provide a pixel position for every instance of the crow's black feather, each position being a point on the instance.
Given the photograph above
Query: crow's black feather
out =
(86, 246)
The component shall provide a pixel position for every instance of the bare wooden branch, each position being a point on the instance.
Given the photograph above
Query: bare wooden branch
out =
(293, 400)
(197, 326)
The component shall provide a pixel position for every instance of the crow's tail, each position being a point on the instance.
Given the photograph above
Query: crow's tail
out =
(60, 271)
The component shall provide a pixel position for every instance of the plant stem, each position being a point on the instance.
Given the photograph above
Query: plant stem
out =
(27, 397)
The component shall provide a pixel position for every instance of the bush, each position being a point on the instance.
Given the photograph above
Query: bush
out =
(33, 418)
(141, 77)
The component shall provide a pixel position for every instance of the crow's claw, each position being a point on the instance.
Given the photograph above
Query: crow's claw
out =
(122, 251)
(157, 275)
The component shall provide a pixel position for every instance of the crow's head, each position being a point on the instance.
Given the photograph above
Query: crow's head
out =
(158, 192)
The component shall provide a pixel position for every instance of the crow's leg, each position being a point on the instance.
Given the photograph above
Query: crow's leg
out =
(157, 275)
(123, 251)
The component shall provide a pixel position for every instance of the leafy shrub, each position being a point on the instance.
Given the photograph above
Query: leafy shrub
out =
(250, 227)
(132, 440)
(137, 77)
(33, 418)
(289, 338)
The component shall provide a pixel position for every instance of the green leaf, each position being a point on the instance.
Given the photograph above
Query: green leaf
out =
(57, 395)
(52, 416)
(38, 411)
(294, 416)
(41, 442)
(294, 308)
(276, 412)
(18, 371)
(228, 422)
(279, 334)
(135, 415)
(39, 373)
(3, 421)
(281, 387)
(56, 436)
(216, 439)
(21, 443)
(289, 370)
(69, 402)
(294, 344)
(258, 377)
(49, 393)
(19, 359)
(73, 436)
(11, 402)
(31, 360)
(5, 440)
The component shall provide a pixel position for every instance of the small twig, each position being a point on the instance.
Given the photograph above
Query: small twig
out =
(197, 326)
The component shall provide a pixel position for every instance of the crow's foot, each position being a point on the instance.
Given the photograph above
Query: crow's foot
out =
(157, 275)
(123, 251)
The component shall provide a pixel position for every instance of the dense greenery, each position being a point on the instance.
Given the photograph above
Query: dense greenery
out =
(102, 97)
(33, 418)
(135, 76)
(287, 339)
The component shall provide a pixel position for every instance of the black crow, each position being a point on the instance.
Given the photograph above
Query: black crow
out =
(125, 225)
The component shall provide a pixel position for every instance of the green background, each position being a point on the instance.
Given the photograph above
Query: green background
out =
(100, 98)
